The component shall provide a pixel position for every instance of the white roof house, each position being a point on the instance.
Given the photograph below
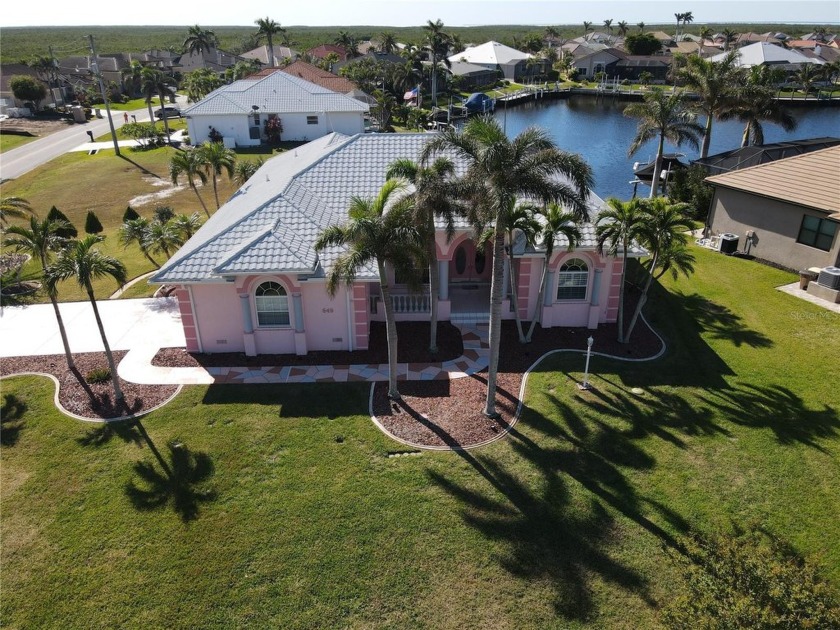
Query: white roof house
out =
(762, 53)
(281, 53)
(495, 56)
(241, 110)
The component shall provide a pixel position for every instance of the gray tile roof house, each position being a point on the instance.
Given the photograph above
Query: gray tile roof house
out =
(250, 280)
(306, 110)
(271, 223)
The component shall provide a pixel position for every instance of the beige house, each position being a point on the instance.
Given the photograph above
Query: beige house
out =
(786, 212)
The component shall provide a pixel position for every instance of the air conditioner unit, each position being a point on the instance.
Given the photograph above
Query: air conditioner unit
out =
(729, 243)
(830, 277)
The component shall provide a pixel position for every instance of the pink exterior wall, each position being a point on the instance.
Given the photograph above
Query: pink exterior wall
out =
(219, 317)
(613, 280)
(325, 317)
(578, 313)
(187, 319)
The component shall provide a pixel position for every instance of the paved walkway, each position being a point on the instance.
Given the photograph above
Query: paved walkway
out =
(137, 367)
(175, 136)
(794, 290)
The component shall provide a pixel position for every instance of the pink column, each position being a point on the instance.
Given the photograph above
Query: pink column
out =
(523, 287)
(187, 319)
(615, 290)
(361, 317)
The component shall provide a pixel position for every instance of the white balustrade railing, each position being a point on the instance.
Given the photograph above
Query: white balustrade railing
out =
(411, 303)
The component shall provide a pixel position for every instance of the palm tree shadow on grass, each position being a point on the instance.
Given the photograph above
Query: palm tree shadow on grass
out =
(126, 430)
(721, 322)
(142, 168)
(779, 409)
(179, 480)
(12, 411)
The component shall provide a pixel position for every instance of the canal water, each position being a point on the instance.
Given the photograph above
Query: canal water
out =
(597, 129)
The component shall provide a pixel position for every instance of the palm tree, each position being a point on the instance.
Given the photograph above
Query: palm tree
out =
(608, 26)
(587, 26)
(245, 169)
(437, 44)
(14, 208)
(191, 164)
(679, 17)
(136, 231)
(268, 29)
(84, 263)
(500, 170)
(163, 237)
(806, 78)
(729, 36)
(348, 43)
(754, 104)
(186, 225)
(623, 27)
(556, 224)
(688, 18)
(661, 231)
(520, 219)
(641, 26)
(666, 117)
(155, 83)
(434, 196)
(714, 82)
(387, 42)
(617, 227)
(199, 40)
(40, 240)
(380, 231)
(132, 77)
(706, 34)
(215, 158)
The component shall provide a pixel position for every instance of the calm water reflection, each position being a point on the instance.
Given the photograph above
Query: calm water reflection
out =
(597, 129)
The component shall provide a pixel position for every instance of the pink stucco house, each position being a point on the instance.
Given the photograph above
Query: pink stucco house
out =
(250, 280)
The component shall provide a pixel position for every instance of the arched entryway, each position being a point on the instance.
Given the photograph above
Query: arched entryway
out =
(470, 272)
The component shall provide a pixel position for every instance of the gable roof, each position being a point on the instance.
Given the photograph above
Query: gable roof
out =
(277, 93)
(762, 52)
(270, 225)
(490, 53)
(811, 180)
(319, 52)
(281, 53)
(313, 74)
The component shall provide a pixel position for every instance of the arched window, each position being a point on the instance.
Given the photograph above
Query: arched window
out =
(272, 305)
(572, 280)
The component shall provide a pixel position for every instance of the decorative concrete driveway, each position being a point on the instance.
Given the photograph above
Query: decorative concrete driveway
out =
(129, 324)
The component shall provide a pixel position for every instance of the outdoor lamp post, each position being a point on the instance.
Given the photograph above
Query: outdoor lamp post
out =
(585, 384)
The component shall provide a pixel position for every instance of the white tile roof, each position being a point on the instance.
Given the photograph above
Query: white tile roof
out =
(490, 53)
(272, 222)
(763, 52)
(277, 93)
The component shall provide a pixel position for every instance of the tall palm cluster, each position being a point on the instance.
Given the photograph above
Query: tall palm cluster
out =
(209, 161)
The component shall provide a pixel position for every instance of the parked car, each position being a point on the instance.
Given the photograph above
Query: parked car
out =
(171, 112)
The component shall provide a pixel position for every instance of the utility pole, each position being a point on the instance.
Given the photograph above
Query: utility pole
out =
(95, 66)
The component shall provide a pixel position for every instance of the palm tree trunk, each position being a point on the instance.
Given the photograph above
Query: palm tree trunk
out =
(540, 296)
(642, 298)
(657, 167)
(745, 137)
(495, 319)
(707, 137)
(391, 331)
(151, 115)
(61, 330)
(149, 257)
(515, 298)
(216, 192)
(200, 200)
(118, 395)
(270, 51)
(163, 115)
(621, 294)
(434, 288)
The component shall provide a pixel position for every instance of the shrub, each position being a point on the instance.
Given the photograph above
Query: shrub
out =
(57, 215)
(689, 186)
(163, 214)
(641, 44)
(98, 376)
(92, 223)
(27, 88)
(749, 580)
(130, 214)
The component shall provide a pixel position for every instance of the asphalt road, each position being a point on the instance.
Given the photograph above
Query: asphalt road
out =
(18, 161)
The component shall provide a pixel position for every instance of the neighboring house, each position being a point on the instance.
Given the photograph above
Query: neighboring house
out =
(744, 157)
(762, 53)
(495, 56)
(786, 212)
(589, 63)
(77, 71)
(319, 76)
(694, 48)
(7, 97)
(213, 59)
(319, 52)
(164, 60)
(666, 39)
(632, 66)
(241, 111)
(282, 54)
(472, 76)
(251, 281)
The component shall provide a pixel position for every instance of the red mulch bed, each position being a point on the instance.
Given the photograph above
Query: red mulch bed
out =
(94, 401)
(412, 347)
(449, 413)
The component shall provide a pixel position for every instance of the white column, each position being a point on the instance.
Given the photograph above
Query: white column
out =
(548, 296)
(247, 321)
(596, 288)
(443, 273)
(297, 303)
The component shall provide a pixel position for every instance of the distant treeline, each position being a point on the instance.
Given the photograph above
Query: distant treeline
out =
(23, 43)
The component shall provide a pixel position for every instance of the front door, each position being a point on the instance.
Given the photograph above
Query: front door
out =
(470, 264)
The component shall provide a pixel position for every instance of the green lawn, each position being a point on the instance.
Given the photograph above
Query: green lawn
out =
(10, 141)
(284, 508)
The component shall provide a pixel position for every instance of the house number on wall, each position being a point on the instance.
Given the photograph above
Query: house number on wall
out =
(326, 310)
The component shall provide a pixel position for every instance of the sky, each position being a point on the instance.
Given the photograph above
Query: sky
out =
(413, 12)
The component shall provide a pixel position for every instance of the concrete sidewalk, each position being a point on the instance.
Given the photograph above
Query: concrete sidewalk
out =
(32, 330)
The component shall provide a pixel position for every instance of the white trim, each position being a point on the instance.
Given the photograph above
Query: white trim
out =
(195, 319)
(351, 328)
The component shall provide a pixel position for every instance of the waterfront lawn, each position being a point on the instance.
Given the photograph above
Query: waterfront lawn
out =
(284, 507)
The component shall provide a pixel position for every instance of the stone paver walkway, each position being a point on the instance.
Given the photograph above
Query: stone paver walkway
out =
(136, 367)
